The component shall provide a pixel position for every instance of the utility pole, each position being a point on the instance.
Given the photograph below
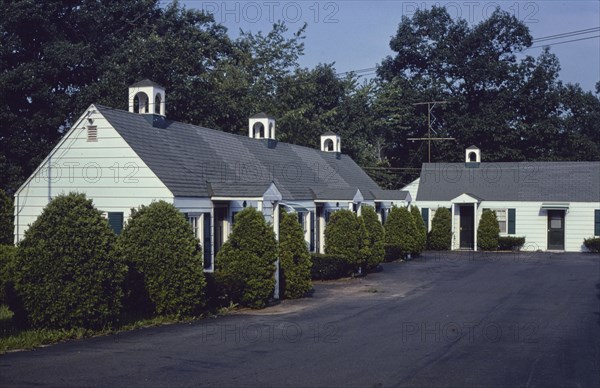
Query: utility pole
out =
(429, 139)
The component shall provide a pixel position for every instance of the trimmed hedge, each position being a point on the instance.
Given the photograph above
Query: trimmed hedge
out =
(392, 252)
(510, 243)
(488, 231)
(375, 236)
(294, 258)
(440, 236)
(421, 231)
(6, 219)
(400, 231)
(66, 273)
(593, 244)
(328, 267)
(8, 256)
(346, 235)
(245, 264)
(164, 260)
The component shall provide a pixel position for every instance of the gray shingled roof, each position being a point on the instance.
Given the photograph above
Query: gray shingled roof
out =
(390, 195)
(185, 157)
(524, 181)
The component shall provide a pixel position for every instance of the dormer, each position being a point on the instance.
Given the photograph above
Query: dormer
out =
(147, 97)
(331, 142)
(261, 126)
(472, 155)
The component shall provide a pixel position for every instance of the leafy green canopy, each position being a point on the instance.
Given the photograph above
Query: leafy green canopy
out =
(375, 235)
(294, 258)
(66, 273)
(245, 264)
(6, 219)
(345, 234)
(164, 256)
(488, 231)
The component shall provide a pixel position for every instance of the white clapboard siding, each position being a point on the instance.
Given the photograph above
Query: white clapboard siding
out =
(108, 171)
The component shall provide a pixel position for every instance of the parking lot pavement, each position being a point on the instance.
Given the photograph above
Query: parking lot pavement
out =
(445, 319)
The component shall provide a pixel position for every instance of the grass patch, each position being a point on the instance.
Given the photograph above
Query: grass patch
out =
(14, 338)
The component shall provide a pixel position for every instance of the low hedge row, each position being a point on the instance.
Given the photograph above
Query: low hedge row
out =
(510, 243)
(330, 266)
(593, 244)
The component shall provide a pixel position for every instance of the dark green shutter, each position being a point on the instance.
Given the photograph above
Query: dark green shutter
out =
(312, 231)
(597, 222)
(115, 221)
(207, 242)
(512, 223)
(425, 215)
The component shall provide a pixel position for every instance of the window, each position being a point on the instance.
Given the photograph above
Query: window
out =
(501, 216)
(92, 133)
(115, 221)
(193, 220)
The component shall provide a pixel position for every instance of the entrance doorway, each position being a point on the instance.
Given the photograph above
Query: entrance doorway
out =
(467, 226)
(220, 217)
(556, 230)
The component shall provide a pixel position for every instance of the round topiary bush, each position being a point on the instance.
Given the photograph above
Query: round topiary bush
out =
(400, 231)
(294, 258)
(421, 235)
(488, 231)
(245, 264)
(346, 235)
(165, 262)
(440, 236)
(375, 236)
(66, 273)
(6, 219)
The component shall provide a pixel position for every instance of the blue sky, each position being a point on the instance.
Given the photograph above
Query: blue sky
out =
(355, 34)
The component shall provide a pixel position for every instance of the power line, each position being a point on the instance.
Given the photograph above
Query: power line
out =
(566, 41)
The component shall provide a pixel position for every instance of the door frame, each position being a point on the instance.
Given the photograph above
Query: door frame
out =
(470, 209)
(563, 214)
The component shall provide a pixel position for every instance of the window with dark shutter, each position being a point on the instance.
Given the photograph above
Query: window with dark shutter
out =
(425, 215)
(115, 221)
(597, 222)
(512, 221)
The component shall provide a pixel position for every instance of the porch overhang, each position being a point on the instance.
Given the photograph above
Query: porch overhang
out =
(555, 205)
(466, 198)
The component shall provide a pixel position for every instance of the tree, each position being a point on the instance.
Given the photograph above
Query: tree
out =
(440, 236)
(400, 230)
(245, 264)
(421, 231)
(294, 258)
(6, 219)
(488, 231)
(163, 255)
(66, 273)
(375, 236)
(345, 234)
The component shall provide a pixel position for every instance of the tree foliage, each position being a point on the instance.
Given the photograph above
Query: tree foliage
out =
(164, 260)
(375, 236)
(488, 231)
(294, 258)
(440, 236)
(66, 273)
(345, 234)
(6, 219)
(245, 264)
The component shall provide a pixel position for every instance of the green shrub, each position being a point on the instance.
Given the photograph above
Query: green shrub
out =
(328, 267)
(375, 236)
(592, 244)
(245, 264)
(294, 258)
(66, 272)
(488, 231)
(393, 252)
(510, 243)
(8, 255)
(165, 262)
(346, 235)
(6, 219)
(400, 231)
(440, 236)
(421, 234)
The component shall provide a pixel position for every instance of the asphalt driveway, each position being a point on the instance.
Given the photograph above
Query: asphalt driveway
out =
(460, 319)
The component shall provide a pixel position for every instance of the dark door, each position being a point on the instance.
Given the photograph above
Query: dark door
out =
(467, 227)
(220, 216)
(556, 229)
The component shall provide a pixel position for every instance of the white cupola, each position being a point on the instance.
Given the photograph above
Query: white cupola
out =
(261, 126)
(331, 142)
(472, 155)
(147, 97)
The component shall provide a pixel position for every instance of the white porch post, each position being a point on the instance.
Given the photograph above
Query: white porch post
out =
(475, 223)
(454, 235)
(276, 229)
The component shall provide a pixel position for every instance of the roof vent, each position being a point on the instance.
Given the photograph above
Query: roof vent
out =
(472, 155)
(261, 126)
(331, 142)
